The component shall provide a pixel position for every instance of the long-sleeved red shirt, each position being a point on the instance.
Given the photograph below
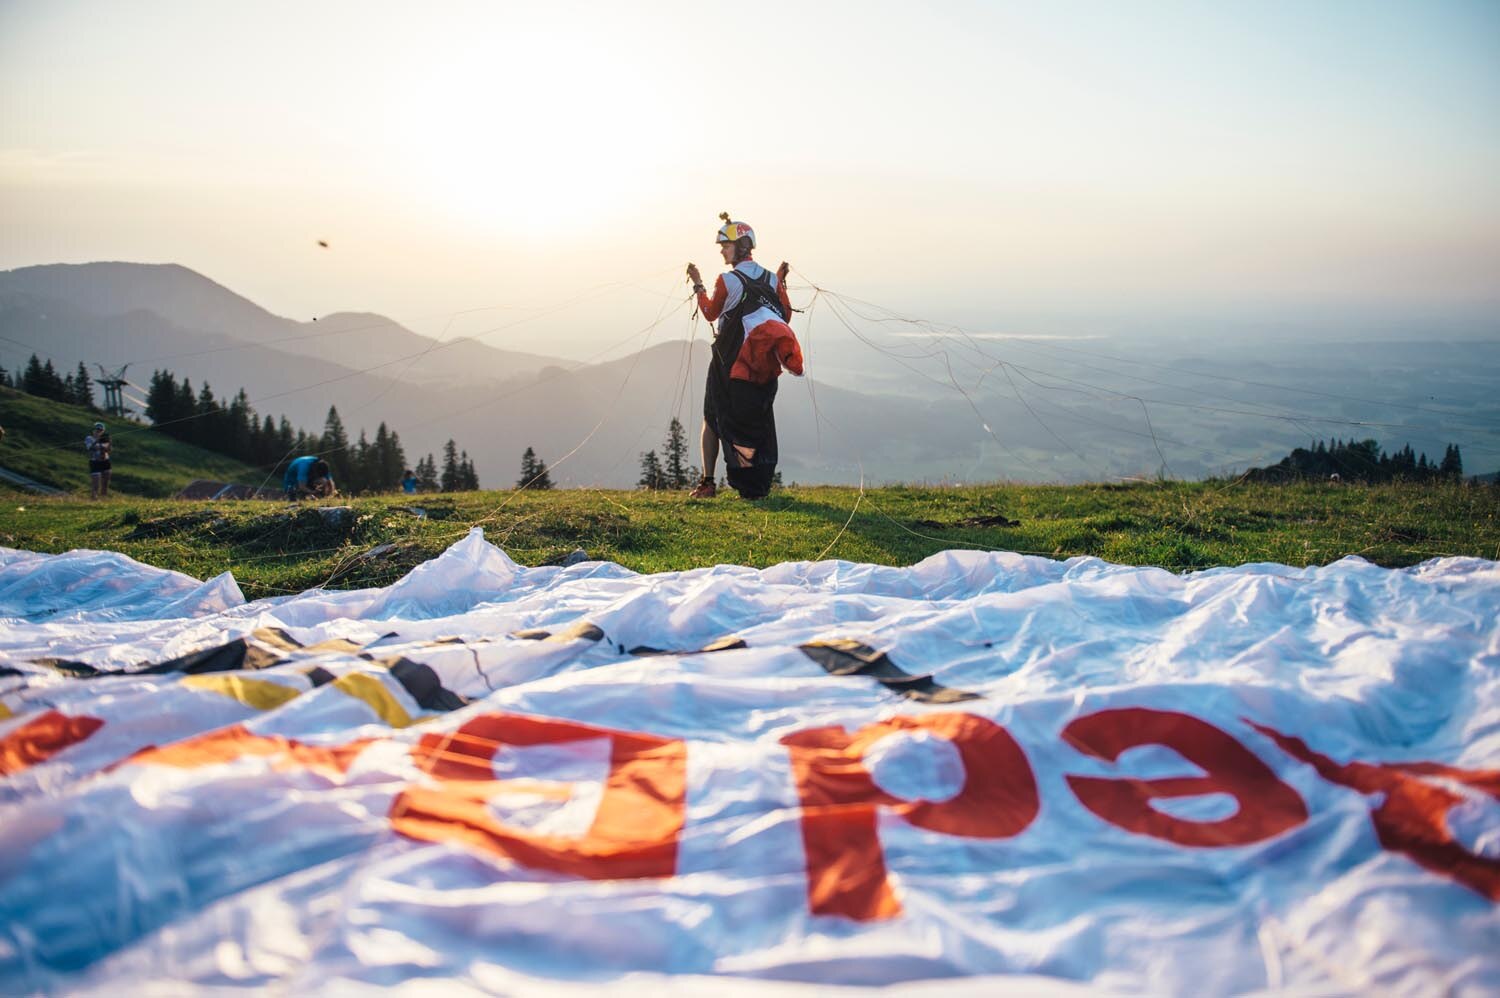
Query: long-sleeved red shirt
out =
(714, 307)
(769, 343)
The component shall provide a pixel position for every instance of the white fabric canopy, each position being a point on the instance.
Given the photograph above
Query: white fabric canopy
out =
(1005, 769)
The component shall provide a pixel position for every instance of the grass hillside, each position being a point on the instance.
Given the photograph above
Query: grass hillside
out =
(273, 548)
(44, 441)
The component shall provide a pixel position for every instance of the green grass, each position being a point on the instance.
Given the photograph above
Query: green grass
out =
(272, 548)
(44, 441)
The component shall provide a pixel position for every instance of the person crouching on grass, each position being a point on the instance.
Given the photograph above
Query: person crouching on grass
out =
(97, 445)
(308, 477)
(751, 346)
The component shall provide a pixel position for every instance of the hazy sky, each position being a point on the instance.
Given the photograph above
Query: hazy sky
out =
(1006, 165)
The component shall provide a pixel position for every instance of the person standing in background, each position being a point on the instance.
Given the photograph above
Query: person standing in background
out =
(97, 445)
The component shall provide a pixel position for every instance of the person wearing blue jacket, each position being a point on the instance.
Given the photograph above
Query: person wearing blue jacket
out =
(308, 476)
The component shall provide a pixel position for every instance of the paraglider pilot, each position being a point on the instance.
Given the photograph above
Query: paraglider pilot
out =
(752, 344)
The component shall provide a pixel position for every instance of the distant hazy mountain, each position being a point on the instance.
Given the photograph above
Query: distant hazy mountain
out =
(300, 387)
(196, 305)
(175, 319)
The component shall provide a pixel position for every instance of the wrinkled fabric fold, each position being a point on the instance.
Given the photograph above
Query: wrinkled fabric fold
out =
(986, 769)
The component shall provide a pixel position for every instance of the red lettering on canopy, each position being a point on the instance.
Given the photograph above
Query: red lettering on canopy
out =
(1267, 806)
(635, 832)
(236, 742)
(1412, 819)
(846, 872)
(43, 737)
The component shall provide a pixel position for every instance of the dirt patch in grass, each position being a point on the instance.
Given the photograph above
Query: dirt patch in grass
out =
(580, 526)
(1404, 533)
(313, 528)
(167, 526)
(1117, 522)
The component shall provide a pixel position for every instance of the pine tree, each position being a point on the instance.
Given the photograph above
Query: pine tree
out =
(468, 478)
(5, 381)
(57, 389)
(397, 458)
(42, 380)
(31, 378)
(427, 475)
(1362, 458)
(185, 406)
(359, 465)
(286, 438)
(378, 481)
(334, 445)
(1453, 464)
(534, 473)
(652, 476)
(161, 398)
(528, 468)
(255, 446)
(677, 474)
(390, 462)
(206, 427)
(83, 387)
(56, 385)
(239, 427)
(265, 448)
(449, 479)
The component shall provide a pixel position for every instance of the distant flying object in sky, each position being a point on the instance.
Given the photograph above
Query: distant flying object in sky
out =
(323, 243)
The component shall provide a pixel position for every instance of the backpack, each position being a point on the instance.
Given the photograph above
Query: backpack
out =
(758, 293)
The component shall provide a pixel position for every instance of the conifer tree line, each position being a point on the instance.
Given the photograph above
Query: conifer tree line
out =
(427, 475)
(364, 466)
(1362, 461)
(235, 430)
(458, 471)
(42, 380)
(670, 470)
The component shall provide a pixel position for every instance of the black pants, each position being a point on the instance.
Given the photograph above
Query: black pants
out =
(742, 414)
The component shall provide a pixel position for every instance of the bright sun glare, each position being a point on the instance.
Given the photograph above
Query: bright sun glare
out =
(521, 141)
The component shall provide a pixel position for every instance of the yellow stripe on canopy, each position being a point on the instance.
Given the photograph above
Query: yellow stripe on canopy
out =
(262, 694)
(372, 691)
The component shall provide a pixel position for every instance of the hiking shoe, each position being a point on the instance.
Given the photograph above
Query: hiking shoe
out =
(706, 490)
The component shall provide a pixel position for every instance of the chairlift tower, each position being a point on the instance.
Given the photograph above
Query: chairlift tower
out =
(114, 405)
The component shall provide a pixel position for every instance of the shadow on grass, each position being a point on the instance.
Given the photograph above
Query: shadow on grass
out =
(899, 537)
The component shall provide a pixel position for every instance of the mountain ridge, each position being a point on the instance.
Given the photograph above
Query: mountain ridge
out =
(878, 424)
(196, 303)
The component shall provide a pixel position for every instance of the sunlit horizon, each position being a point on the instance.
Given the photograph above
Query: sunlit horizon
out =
(1061, 172)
